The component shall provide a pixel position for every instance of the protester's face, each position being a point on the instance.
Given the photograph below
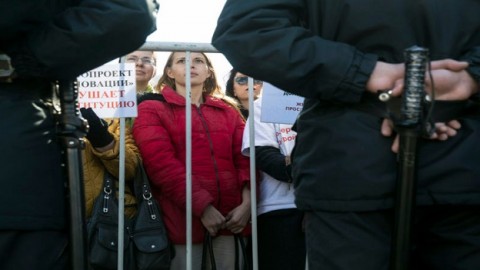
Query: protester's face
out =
(144, 65)
(240, 87)
(199, 70)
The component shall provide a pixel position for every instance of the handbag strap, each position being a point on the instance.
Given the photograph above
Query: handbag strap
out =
(104, 207)
(143, 191)
(208, 248)
(141, 184)
(107, 192)
(240, 243)
(208, 252)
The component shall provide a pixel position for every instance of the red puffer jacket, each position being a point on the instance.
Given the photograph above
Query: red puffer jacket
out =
(219, 170)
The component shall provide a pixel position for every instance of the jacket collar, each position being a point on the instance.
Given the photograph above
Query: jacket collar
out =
(171, 96)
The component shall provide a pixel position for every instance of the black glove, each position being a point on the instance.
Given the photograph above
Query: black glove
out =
(98, 133)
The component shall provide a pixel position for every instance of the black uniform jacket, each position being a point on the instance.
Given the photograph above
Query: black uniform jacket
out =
(62, 39)
(325, 50)
(49, 40)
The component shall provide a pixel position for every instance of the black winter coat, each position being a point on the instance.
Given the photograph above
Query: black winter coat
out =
(62, 39)
(325, 50)
(50, 40)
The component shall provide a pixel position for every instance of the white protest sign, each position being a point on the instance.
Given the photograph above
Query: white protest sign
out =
(110, 90)
(279, 106)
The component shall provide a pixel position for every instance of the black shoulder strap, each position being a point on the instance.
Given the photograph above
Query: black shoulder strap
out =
(150, 96)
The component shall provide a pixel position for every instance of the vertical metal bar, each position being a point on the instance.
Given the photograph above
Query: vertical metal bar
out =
(121, 189)
(188, 159)
(253, 186)
(121, 196)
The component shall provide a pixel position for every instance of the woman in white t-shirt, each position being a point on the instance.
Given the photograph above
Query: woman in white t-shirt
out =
(281, 240)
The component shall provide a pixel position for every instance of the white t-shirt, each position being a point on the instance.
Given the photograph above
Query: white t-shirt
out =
(274, 194)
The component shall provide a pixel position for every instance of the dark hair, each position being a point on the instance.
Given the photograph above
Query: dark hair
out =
(229, 85)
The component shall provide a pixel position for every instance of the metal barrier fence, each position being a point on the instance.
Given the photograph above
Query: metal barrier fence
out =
(188, 48)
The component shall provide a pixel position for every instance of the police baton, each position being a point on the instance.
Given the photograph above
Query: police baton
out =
(409, 127)
(71, 130)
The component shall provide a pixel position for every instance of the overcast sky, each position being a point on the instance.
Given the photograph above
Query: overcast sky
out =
(190, 21)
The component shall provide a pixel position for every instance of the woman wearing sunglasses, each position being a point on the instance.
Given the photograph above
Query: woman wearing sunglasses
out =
(237, 88)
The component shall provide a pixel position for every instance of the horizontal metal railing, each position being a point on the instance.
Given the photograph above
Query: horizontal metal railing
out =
(178, 46)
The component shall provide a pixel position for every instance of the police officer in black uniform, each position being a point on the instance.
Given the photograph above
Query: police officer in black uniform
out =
(338, 54)
(41, 42)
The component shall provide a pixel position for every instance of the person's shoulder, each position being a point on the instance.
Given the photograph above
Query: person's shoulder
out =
(218, 102)
(150, 96)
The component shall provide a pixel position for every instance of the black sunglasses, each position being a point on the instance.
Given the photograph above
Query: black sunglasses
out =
(244, 81)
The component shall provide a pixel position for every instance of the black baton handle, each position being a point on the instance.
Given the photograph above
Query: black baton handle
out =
(409, 126)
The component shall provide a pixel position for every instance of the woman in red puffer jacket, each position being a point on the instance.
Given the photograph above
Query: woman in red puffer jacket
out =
(220, 173)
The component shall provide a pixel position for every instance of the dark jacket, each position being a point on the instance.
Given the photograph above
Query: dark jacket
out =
(62, 39)
(219, 170)
(49, 40)
(325, 50)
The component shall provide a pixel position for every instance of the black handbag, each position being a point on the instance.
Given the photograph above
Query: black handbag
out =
(146, 245)
(152, 249)
(102, 229)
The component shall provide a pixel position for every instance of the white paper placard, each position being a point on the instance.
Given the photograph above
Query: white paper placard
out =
(110, 90)
(279, 106)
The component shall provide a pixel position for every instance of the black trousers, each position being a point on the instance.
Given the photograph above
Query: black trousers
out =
(33, 250)
(281, 240)
(445, 238)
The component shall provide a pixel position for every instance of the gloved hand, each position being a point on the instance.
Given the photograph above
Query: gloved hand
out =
(98, 133)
